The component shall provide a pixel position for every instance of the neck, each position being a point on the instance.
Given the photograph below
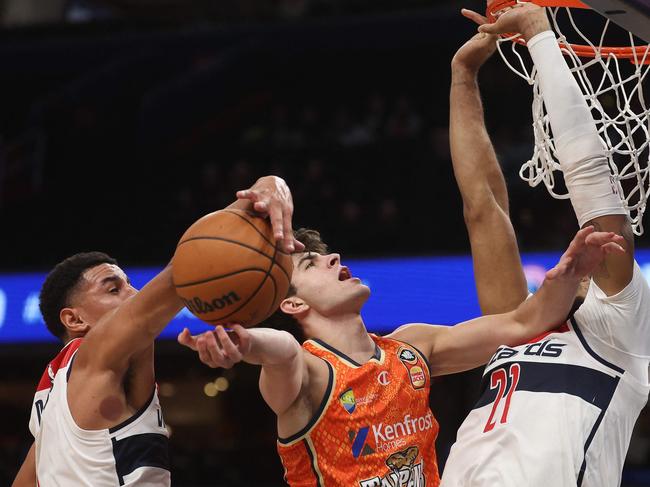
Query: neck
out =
(346, 333)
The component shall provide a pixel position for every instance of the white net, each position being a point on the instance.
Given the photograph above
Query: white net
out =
(614, 91)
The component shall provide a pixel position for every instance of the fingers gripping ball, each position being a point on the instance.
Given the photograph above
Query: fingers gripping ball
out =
(227, 269)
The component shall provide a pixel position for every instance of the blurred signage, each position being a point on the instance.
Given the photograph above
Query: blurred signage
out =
(438, 290)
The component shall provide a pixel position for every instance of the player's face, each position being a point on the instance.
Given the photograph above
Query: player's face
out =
(326, 285)
(102, 289)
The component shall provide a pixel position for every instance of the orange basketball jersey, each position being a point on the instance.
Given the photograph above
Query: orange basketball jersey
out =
(374, 427)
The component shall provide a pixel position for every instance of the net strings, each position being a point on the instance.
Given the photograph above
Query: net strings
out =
(613, 89)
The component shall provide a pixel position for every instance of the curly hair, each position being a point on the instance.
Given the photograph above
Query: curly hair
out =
(280, 320)
(60, 284)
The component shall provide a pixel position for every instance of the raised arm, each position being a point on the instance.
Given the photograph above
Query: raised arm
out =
(284, 369)
(132, 327)
(472, 343)
(580, 150)
(482, 186)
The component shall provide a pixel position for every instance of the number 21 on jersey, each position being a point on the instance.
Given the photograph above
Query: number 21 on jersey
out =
(499, 379)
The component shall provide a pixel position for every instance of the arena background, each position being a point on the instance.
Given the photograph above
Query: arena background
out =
(122, 121)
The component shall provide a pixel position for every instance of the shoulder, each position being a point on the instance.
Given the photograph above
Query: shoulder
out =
(422, 336)
(417, 331)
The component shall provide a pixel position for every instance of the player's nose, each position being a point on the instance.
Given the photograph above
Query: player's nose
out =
(333, 260)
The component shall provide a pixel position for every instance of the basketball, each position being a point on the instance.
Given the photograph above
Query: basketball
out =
(227, 269)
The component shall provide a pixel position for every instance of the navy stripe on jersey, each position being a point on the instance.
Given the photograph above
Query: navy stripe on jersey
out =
(592, 433)
(591, 385)
(144, 450)
(312, 458)
(138, 413)
(376, 354)
(590, 351)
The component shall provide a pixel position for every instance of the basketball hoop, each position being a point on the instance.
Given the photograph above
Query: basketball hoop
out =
(613, 91)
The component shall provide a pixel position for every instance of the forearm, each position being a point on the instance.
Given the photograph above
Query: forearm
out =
(474, 160)
(580, 151)
(271, 348)
(133, 326)
(548, 307)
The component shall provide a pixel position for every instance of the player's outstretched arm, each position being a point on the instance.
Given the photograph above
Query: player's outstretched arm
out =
(26, 476)
(580, 151)
(481, 183)
(472, 343)
(133, 326)
(282, 359)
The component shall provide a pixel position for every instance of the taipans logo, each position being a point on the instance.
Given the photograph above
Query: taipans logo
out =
(347, 401)
(388, 437)
(411, 361)
(404, 472)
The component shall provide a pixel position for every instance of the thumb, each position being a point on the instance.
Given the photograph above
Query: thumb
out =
(186, 339)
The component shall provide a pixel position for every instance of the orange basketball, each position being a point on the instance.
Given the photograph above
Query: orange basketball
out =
(227, 269)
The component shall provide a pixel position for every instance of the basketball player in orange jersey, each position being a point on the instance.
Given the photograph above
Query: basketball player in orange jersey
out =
(96, 418)
(558, 411)
(353, 408)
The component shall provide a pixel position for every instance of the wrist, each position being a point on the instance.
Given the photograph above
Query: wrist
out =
(535, 25)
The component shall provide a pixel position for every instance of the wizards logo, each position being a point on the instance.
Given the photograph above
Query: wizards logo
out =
(348, 401)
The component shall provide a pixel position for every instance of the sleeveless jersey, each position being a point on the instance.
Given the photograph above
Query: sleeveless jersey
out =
(374, 427)
(133, 453)
(560, 410)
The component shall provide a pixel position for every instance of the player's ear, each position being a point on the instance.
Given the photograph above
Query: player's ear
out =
(293, 306)
(73, 321)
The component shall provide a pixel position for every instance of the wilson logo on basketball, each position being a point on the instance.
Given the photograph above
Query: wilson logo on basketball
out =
(197, 305)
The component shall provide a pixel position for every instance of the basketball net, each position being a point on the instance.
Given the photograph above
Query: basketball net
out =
(611, 80)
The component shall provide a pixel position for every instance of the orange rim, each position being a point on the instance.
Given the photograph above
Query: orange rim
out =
(633, 54)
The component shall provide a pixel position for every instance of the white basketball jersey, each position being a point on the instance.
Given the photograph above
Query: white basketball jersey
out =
(559, 411)
(133, 453)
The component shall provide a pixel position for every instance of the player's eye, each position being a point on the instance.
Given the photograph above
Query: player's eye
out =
(310, 264)
(114, 290)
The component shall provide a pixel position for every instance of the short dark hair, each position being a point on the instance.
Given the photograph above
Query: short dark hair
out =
(280, 320)
(60, 284)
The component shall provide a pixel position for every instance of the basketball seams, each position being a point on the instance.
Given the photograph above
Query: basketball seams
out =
(229, 240)
(253, 294)
(256, 229)
(222, 276)
(225, 251)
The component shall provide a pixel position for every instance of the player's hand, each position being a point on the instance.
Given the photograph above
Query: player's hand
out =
(473, 54)
(271, 197)
(219, 348)
(585, 253)
(525, 18)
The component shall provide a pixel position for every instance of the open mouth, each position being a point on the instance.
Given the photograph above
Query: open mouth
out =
(344, 274)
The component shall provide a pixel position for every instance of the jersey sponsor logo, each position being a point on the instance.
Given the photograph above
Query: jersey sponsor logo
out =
(390, 437)
(412, 363)
(360, 447)
(348, 401)
(537, 349)
(404, 472)
(406, 355)
(382, 378)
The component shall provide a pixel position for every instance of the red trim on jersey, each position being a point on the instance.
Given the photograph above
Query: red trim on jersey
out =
(560, 329)
(59, 362)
